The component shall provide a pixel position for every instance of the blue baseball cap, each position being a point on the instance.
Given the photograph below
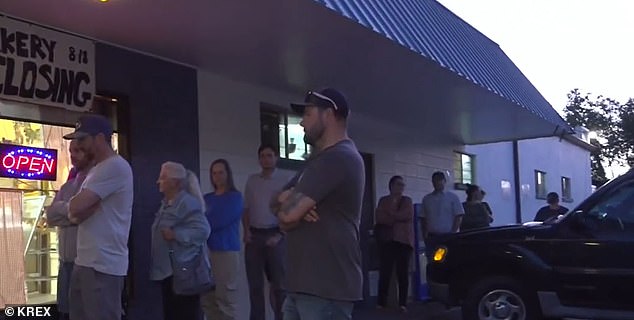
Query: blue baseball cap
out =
(90, 125)
(324, 98)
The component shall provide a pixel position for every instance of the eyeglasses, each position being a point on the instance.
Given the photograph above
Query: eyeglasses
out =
(322, 97)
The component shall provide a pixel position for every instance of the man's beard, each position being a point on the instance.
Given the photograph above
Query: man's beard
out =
(89, 154)
(83, 164)
(312, 136)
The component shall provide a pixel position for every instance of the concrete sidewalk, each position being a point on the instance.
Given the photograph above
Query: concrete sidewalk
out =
(416, 310)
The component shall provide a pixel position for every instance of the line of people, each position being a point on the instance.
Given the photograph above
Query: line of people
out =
(215, 226)
(441, 213)
(93, 212)
(302, 234)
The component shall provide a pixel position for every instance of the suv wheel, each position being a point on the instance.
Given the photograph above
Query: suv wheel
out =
(499, 298)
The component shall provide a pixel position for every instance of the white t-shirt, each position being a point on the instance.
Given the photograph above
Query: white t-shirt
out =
(102, 239)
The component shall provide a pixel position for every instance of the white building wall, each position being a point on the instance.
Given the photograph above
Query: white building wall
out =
(494, 174)
(557, 157)
(229, 122)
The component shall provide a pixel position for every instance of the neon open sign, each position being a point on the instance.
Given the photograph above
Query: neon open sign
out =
(27, 162)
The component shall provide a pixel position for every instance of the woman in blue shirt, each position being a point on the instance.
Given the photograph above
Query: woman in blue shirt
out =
(224, 212)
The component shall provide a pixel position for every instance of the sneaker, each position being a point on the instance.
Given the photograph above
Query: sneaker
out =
(403, 309)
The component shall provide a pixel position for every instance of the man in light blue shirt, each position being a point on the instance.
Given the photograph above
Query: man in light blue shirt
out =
(264, 243)
(442, 212)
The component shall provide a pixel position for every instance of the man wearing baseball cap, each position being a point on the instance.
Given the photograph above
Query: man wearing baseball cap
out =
(103, 211)
(320, 211)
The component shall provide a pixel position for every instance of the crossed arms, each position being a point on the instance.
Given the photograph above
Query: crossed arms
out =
(291, 207)
(82, 206)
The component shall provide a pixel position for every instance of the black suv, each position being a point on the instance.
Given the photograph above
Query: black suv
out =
(579, 265)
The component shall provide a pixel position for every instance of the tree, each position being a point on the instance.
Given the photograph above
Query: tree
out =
(614, 124)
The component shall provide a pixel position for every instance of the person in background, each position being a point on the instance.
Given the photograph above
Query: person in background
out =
(57, 216)
(553, 209)
(180, 226)
(477, 214)
(224, 211)
(441, 212)
(397, 212)
(486, 204)
(264, 243)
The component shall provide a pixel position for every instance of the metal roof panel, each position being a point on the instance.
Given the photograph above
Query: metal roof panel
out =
(430, 29)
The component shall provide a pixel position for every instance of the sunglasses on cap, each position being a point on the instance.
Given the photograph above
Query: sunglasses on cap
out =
(319, 96)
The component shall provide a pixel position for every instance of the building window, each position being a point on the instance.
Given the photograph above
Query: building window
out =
(566, 191)
(540, 184)
(281, 130)
(463, 170)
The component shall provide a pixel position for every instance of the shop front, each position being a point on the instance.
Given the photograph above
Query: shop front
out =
(34, 163)
(48, 78)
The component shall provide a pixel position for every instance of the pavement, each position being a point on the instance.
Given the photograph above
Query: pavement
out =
(416, 310)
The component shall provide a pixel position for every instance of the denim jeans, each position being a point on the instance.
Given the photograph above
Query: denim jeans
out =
(306, 307)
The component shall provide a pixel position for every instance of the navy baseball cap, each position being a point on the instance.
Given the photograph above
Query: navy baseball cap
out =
(325, 98)
(90, 125)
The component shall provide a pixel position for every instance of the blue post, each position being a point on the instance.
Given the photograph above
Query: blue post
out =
(419, 280)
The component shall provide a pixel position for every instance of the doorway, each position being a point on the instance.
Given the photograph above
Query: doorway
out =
(38, 261)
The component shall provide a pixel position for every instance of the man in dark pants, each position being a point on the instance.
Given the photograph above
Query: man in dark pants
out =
(442, 213)
(264, 242)
(57, 216)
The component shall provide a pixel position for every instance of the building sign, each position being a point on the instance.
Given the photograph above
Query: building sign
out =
(27, 162)
(46, 67)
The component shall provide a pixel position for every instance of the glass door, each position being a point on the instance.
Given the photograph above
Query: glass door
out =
(12, 290)
(38, 243)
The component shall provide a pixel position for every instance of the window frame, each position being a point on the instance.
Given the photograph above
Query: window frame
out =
(539, 192)
(566, 189)
(282, 113)
(459, 181)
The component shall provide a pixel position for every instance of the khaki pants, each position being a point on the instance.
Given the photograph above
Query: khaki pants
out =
(221, 303)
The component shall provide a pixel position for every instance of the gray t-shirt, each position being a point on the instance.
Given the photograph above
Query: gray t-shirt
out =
(440, 210)
(258, 192)
(324, 257)
(102, 239)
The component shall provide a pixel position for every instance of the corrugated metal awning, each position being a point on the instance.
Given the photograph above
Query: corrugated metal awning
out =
(430, 29)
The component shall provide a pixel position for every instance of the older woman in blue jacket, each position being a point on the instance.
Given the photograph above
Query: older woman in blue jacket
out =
(180, 226)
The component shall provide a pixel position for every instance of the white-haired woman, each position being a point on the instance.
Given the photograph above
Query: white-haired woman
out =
(180, 225)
